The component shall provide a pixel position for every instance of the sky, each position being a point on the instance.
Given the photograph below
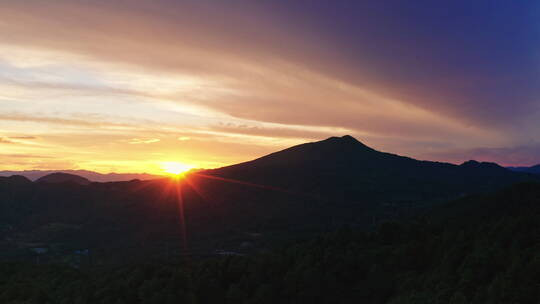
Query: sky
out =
(128, 86)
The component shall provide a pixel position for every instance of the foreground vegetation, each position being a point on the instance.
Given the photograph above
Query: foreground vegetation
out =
(483, 249)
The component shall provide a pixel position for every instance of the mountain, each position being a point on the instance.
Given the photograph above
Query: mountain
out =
(15, 180)
(344, 168)
(59, 177)
(93, 176)
(282, 197)
(473, 164)
(533, 169)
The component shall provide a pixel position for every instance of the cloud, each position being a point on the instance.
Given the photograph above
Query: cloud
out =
(279, 131)
(5, 140)
(23, 137)
(137, 141)
(31, 156)
(84, 120)
(70, 88)
(15, 139)
(354, 42)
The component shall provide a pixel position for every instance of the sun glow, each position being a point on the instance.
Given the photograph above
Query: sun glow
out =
(175, 168)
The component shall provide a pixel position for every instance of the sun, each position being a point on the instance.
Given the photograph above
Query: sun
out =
(175, 168)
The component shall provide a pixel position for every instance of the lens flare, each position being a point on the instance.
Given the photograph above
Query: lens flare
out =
(175, 168)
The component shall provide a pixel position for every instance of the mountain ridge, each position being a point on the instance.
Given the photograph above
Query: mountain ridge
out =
(91, 175)
(344, 162)
(532, 169)
(60, 177)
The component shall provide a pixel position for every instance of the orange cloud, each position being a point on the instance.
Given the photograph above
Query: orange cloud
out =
(136, 141)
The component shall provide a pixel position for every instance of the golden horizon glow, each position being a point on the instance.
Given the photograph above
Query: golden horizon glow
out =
(175, 168)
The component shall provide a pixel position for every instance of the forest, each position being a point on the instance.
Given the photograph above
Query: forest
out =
(478, 249)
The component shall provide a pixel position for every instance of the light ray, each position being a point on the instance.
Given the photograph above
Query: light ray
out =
(181, 213)
(260, 186)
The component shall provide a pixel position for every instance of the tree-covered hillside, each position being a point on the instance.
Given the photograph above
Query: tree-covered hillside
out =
(481, 249)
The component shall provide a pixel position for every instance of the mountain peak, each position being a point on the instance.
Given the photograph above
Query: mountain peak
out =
(470, 163)
(346, 140)
(348, 137)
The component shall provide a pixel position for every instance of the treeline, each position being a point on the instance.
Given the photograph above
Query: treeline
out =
(483, 249)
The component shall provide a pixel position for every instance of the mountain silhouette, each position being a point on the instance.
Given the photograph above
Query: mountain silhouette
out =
(473, 164)
(534, 169)
(345, 167)
(295, 193)
(15, 180)
(91, 175)
(59, 177)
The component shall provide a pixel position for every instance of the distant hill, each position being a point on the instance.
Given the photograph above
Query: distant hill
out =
(59, 177)
(533, 169)
(93, 176)
(15, 180)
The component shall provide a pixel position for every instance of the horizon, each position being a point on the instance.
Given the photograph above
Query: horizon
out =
(165, 173)
(170, 85)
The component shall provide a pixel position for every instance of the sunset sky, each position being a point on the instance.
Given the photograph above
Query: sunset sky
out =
(126, 86)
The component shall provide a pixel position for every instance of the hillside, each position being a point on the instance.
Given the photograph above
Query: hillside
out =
(532, 169)
(15, 180)
(479, 249)
(343, 168)
(58, 177)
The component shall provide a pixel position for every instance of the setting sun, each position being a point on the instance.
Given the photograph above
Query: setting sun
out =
(175, 168)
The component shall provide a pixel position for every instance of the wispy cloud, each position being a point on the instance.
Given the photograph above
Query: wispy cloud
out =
(137, 141)
(23, 137)
(29, 156)
(16, 139)
(5, 140)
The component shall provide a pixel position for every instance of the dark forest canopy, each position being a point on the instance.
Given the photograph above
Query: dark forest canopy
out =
(480, 249)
